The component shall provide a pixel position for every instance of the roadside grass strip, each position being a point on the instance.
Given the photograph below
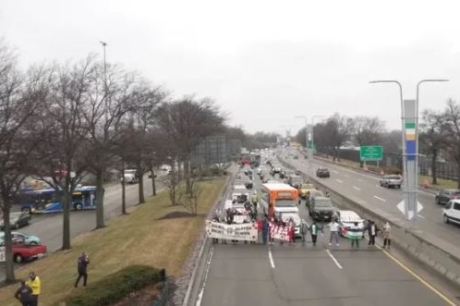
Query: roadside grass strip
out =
(140, 238)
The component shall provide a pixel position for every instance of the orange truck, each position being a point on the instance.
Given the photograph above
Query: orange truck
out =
(278, 197)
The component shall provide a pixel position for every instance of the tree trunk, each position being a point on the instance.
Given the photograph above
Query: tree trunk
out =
(154, 187)
(123, 188)
(141, 185)
(458, 174)
(188, 187)
(66, 200)
(99, 199)
(9, 264)
(434, 157)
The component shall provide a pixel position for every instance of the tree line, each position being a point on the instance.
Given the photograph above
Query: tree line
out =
(59, 122)
(439, 135)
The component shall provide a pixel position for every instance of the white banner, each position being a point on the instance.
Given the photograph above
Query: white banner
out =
(279, 232)
(241, 232)
(2, 254)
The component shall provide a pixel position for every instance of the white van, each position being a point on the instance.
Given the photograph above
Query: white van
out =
(131, 176)
(451, 212)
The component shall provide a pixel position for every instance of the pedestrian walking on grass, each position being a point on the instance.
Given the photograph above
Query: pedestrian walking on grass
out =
(24, 294)
(334, 232)
(35, 284)
(314, 229)
(355, 234)
(372, 232)
(387, 235)
(82, 267)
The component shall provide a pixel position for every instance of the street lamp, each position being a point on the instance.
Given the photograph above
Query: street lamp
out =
(410, 165)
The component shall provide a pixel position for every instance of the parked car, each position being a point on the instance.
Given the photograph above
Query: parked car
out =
(346, 219)
(451, 213)
(323, 172)
(21, 238)
(391, 181)
(321, 209)
(17, 220)
(25, 252)
(446, 195)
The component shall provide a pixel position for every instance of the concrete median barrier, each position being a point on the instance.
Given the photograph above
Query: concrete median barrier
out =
(427, 248)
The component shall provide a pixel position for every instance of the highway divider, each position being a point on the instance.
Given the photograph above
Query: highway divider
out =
(197, 277)
(442, 257)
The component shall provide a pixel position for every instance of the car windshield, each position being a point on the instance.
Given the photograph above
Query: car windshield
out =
(323, 203)
(394, 177)
(285, 203)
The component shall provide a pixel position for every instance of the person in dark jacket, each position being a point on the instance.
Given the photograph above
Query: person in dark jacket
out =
(372, 232)
(83, 262)
(24, 294)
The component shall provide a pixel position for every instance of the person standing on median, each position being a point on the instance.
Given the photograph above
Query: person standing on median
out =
(35, 284)
(82, 267)
(314, 229)
(386, 235)
(334, 232)
(355, 234)
(24, 294)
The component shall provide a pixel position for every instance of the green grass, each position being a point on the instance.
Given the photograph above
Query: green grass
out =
(136, 239)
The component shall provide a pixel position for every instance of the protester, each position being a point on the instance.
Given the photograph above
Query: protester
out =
(314, 229)
(386, 235)
(334, 232)
(291, 231)
(24, 294)
(265, 231)
(303, 231)
(354, 234)
(82, 267)
(35, 284)
(372, 232)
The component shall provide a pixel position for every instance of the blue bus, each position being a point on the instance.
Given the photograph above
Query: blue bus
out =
(45, 201)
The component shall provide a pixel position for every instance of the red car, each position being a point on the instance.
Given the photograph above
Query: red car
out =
(23, 252)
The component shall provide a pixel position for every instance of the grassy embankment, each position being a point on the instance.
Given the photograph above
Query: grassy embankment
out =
(138, 238)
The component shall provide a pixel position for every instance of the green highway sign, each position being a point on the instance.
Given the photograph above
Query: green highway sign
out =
(371, 153)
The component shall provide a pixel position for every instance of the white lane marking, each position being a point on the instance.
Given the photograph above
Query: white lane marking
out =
(334, 259)
(339, 181)
(200, 296)
(420, 216)
(272, 262)
(380, 199)
(335, 171)
(356, 188)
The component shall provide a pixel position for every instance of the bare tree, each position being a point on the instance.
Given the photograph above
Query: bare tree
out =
(108, 101)
(452, 115)
(367, 130)
(187, 122)
(63, 146)
(20, 97)
(433, 137)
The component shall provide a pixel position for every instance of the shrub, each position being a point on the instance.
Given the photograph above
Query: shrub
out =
(116, 286)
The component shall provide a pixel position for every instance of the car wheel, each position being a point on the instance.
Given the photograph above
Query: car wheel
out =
(18, 258)
(78, 207)
(446, 219)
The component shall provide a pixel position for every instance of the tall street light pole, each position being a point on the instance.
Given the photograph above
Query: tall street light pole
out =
(409, 119)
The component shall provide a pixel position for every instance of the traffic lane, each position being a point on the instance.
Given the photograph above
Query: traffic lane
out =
(49, 227)
(367, 277)
(430, 218)
(240, 275)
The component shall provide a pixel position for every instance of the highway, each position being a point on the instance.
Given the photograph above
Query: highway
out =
(365, 189)
(301, 274)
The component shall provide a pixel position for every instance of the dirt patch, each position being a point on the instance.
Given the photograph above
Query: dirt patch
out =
(144, 297)
(177, 214)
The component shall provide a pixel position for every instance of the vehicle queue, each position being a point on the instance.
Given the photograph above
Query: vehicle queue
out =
(275, 212)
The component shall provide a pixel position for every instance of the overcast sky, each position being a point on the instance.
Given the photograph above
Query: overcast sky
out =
(264, 62)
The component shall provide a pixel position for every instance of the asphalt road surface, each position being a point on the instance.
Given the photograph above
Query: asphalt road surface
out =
(365, 189)
(49, 227)
(301, 274)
